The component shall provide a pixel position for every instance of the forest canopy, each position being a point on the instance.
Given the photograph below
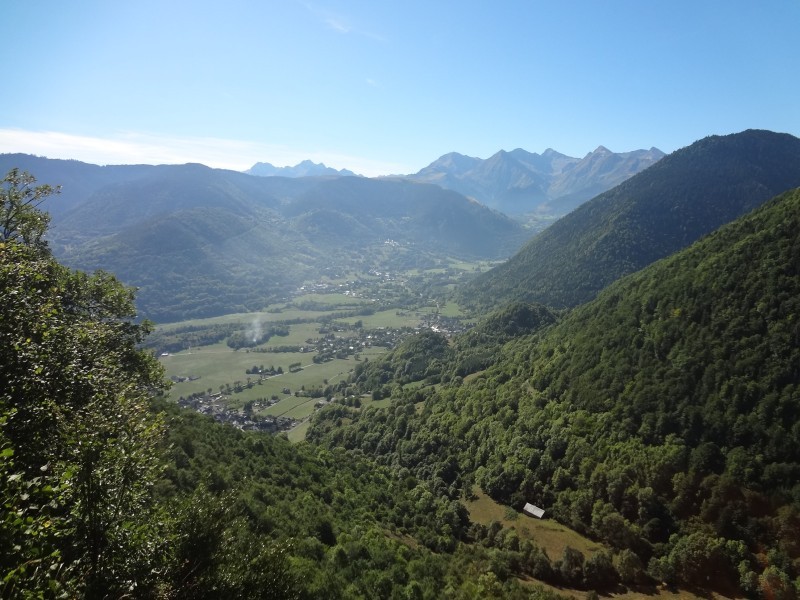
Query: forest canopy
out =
(661, 417)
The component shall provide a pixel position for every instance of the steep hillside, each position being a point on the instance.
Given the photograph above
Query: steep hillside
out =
(200, 262)
(662, 209)
(660, 417)
(519, 181)
(160, 192)
(78, 180)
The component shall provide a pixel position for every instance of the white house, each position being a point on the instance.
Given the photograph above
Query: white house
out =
(533, 511)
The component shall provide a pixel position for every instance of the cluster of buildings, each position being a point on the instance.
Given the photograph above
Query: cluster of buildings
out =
(214, 406)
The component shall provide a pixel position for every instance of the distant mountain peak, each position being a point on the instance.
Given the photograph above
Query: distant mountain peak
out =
(650, 215)
(306, 168)
(519, 181)
(452, 162)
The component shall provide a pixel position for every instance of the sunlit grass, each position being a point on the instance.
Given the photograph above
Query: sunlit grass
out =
(548, 534)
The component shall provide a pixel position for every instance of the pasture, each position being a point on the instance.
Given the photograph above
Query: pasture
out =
(548, 534)
(276, 314)
(218, 365)
(216, 368)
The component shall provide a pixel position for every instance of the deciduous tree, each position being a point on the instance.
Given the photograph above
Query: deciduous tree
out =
(78, 437)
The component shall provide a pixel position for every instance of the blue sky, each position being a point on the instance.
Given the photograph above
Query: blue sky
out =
(384, 86)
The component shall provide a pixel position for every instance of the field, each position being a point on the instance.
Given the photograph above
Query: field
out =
(219, 365)
(391, 318)
(275, 315)
(350, 309)
(553, 537)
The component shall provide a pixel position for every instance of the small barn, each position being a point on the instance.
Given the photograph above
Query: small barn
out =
(533, 511)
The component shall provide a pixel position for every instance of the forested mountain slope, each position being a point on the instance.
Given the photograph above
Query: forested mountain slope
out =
(162, 191)
(662, 417)
(78, 180)
(665, 208)
(420, 214)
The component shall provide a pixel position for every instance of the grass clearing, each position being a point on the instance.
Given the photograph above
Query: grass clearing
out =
(414, 385)
(548, 534)
(296, 407)
(451, 309)
(263, 317)
(384, 403)
(298, 334)
(331, 300)
(553, 537)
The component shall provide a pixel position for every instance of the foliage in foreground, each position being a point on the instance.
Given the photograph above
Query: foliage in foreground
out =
(344, 527)
(78, 442)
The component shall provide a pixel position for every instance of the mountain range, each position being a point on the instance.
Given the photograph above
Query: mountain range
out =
(198, 241)
(657, 212)
(515, 182)
(305, 168)
(520, 182)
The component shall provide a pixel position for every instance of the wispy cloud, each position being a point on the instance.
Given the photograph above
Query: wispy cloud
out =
(143, 148)
(339, 23)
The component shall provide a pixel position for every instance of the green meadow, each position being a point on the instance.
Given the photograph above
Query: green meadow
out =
(278, 314)
(218, 365)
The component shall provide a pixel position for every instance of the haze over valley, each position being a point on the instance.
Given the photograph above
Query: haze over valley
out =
(199, 242)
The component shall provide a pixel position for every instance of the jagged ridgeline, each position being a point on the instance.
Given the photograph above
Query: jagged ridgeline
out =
(662, 417)
(664, 208)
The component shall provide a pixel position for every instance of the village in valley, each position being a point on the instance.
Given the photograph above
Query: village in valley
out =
(251, 398)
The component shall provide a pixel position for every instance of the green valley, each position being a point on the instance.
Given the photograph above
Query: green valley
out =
(271, 370)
